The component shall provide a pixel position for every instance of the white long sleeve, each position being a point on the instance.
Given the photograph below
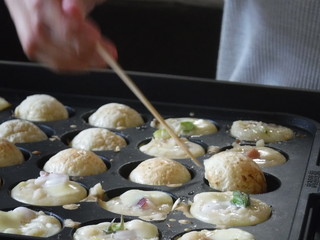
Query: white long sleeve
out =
(272, 42)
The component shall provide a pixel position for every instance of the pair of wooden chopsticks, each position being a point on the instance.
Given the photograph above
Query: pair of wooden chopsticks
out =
(133, 87)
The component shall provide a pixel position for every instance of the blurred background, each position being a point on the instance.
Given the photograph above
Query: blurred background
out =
(179, 37)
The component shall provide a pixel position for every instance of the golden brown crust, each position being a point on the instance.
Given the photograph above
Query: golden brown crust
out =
(160, 171)
(115, 115)
(9, 154)
(21, 131)
(41, 108)
(98, 139)
(230, 171)
(75, 162)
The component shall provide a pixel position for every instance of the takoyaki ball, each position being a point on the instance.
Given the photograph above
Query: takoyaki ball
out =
(98, 139)
(231, 171)
(116, 116)
(41, 108)
(21, 131)
(4, 103)
(75, 162)
(160, 171)
(10, 154)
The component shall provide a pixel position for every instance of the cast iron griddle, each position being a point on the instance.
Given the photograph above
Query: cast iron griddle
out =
(292, 187)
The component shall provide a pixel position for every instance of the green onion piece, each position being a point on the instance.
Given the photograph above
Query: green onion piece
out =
(187, 126)
(240, 199)
(161, 134)
(115, 227)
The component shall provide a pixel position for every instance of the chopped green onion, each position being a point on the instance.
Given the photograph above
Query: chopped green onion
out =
(161, 134)
(187, 126)
(240, 199)
(115, 227)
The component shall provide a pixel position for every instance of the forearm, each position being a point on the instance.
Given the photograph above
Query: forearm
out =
(58, 33)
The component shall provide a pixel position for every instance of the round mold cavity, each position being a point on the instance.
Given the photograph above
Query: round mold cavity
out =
(137, 207)
(264, 121)
(66, 138)
(13, 185)
(71, 111)
(42, 161)
(26, 154)
(46, 129)
(126, 169)
(196, 141)
(85, 116)
(114, 220)
(213, 122)
(109, 194)
(85, 119)
(36, 209)
(154, 122)
(179, 235)
(273, 183)
(286, 156)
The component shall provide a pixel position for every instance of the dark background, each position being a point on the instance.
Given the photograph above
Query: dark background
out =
(157, 37)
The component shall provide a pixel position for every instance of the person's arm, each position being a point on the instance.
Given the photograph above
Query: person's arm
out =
(58, 33)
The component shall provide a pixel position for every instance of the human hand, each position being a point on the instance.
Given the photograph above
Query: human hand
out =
(59, 34)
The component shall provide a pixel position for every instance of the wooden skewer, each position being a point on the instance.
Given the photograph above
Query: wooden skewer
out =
(133, 87)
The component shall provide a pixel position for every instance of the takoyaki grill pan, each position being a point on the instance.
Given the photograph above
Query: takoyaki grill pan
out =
(292, 187)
